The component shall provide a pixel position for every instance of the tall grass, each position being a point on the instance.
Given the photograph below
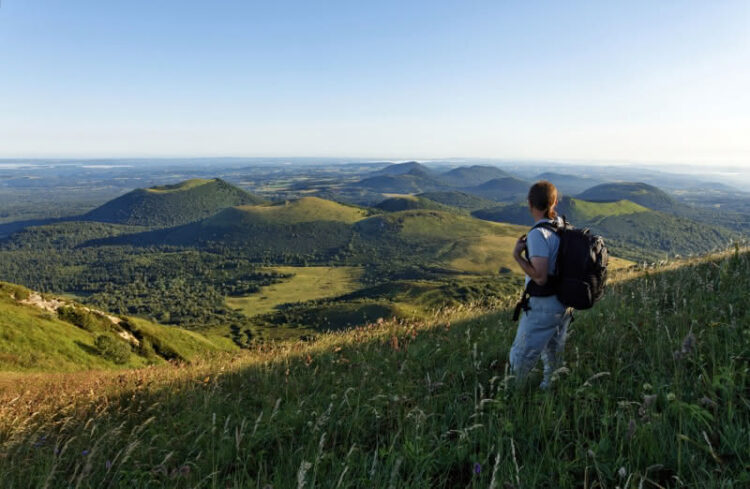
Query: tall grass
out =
(655, 393)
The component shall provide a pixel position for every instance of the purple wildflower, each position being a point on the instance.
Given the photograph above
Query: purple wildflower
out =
(477, 468)
(85, 452)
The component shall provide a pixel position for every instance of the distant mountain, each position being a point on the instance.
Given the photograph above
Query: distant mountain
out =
(501, 189)
(411, 167)
(409, 202)
(470, 176)
(414, 181)
(460, 200)
(640, 193)
(631, 230)
(569, 184)
(169, 205)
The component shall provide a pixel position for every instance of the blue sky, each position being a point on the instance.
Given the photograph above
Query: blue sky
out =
(574, 81)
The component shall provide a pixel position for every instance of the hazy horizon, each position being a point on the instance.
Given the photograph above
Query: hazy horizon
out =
(617, 84)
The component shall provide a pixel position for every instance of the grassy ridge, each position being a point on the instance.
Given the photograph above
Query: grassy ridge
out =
(304, 210)
(654, 394)
(35, 338)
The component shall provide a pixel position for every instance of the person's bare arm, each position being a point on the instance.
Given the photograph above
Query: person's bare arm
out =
(536, 268)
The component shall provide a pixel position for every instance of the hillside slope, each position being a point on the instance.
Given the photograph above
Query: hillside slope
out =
(654, 391)
(170, 205)
(501, 189)
(44, 333)
(469, 176)
(305, 226)
(631, 230)
(640, 193)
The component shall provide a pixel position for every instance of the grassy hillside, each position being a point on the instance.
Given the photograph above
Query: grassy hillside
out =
(501, 189)
(409, 202)
(309, 226)
(654, 393)
(170, 205)
(460, 200)
(630, 230)
(438, 238)
(44, 333)
(306, 209)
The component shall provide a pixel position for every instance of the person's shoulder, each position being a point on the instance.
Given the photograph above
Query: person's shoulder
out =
(544, 231)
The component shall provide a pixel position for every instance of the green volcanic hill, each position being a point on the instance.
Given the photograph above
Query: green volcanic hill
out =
(409, 202)
(45, 333)
(501, 189)
(460, 200)
(470, 176)
(632, 231)
(305, 209)
(308, 225)
(410, 167)
(436, 238)
(415, 181)
(170, 205)
(640, 193)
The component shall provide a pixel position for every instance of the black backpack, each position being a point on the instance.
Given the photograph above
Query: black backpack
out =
(580, 270)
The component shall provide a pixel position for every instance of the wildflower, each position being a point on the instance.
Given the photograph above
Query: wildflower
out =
(108, 464)
(688, 344)
(707, 402)
(648, 400)
(477, 468)
(85, 452)
(631, 429)
(622, 472)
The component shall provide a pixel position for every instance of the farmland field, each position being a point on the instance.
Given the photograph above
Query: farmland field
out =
(307, 283)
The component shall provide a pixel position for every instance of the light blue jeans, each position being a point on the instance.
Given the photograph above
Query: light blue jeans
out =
(541, 332)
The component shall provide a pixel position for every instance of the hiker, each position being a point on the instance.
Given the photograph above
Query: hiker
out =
(544, 319)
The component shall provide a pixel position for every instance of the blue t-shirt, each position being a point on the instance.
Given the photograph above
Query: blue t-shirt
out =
(543, 242)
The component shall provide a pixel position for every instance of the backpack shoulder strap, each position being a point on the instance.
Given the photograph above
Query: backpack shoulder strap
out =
(554, 227)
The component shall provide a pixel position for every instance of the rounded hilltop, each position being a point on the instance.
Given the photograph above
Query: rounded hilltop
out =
(305, 209)
(171, 205)
(640, 193)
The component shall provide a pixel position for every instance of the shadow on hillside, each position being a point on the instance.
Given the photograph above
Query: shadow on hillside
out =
(87, 348)
(373, 380)
(8, 228)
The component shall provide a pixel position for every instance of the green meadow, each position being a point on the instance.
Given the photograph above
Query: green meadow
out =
(304, 284)
(654, 394)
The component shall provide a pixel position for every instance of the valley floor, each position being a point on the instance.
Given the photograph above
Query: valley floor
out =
(654, 394)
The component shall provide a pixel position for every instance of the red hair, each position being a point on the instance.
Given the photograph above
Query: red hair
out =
(543, 197)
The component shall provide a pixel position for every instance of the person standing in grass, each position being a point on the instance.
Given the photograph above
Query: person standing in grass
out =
(544, 319)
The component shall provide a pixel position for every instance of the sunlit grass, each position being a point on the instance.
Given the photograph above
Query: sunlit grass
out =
(305, 284)
(654, 393)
